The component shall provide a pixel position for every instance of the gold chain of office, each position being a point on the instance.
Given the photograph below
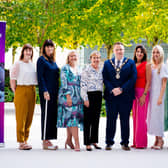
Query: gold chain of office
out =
(118, 69)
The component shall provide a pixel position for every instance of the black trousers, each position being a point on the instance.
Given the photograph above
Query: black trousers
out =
(51, 121)
(91, 117)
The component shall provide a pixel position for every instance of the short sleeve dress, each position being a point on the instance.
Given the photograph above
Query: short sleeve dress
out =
(155, 119)
(70, 84)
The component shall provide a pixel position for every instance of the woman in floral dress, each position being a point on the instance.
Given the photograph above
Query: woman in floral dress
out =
(70, 105)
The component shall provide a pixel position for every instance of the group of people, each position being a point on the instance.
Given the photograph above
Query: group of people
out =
(75, 100)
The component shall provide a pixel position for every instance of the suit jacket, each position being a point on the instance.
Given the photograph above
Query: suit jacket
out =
(128, 76)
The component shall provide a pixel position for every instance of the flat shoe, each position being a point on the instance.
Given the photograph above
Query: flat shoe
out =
(50, 147)
(125, 147)
(108, 147)
(25, 147)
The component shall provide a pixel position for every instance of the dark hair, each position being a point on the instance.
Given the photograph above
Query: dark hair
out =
(143, 50)
(118, 43)
(46, 44)
(26, 46)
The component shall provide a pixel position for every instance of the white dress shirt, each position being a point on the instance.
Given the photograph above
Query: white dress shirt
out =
(116, 62)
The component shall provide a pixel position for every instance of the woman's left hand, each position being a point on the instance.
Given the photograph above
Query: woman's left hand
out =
(86, 103)
(159, 102)
(142, 100)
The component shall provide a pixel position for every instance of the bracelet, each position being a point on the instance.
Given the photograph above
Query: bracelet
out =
(145, 93)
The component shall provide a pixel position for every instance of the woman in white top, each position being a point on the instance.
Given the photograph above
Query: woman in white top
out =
(23, 80)
(155, 119)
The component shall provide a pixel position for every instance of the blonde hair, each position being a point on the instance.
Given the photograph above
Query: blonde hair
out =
(161, 59)
(95, 53)
(67, 59)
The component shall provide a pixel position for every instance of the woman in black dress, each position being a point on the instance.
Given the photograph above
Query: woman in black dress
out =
(48, 81)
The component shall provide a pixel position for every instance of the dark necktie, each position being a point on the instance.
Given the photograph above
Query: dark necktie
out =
(118, 63)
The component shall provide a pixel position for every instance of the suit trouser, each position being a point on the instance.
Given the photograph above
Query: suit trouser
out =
(112, 110)
(51, 120)
(91, 117)
(24, 105)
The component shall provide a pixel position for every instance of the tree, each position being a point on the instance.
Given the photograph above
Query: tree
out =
(71, 26)
(29, 21)
(150, 22)
(108, 22)
(72, 23)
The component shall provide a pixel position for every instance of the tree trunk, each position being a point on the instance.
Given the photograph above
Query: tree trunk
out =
(155, 41)
(109, 51)
(75, 45)
(40, 53)
(13, 54)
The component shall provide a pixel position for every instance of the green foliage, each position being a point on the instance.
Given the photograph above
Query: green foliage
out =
(37, 95)
(9, 95)
(103, 109)
(150, 22)
(71, 23)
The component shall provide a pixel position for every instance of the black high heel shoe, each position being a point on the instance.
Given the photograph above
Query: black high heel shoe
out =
(96, 147)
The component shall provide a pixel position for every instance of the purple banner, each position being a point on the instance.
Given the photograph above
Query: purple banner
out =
(2, 79)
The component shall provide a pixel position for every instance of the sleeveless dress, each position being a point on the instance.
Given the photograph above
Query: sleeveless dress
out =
(140, 112)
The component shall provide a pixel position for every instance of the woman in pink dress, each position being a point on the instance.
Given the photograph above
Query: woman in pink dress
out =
(140, 104)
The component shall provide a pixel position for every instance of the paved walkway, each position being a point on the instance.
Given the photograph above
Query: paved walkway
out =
(11, 157)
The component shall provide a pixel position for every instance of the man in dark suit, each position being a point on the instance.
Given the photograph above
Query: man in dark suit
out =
(119, 76)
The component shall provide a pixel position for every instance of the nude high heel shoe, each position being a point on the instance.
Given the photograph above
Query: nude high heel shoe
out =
(70, 144)
(77, 147)
(159, 145)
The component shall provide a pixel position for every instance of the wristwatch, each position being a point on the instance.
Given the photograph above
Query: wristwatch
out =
(121, 89)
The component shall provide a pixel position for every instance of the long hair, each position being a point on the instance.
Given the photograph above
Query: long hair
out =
(26, 46)
(43, 52)
(143, 50)
(161, 59)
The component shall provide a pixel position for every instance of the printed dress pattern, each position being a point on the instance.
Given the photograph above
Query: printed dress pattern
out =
(70, 84)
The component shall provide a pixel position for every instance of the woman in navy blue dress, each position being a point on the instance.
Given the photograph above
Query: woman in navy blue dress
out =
(48, 81)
